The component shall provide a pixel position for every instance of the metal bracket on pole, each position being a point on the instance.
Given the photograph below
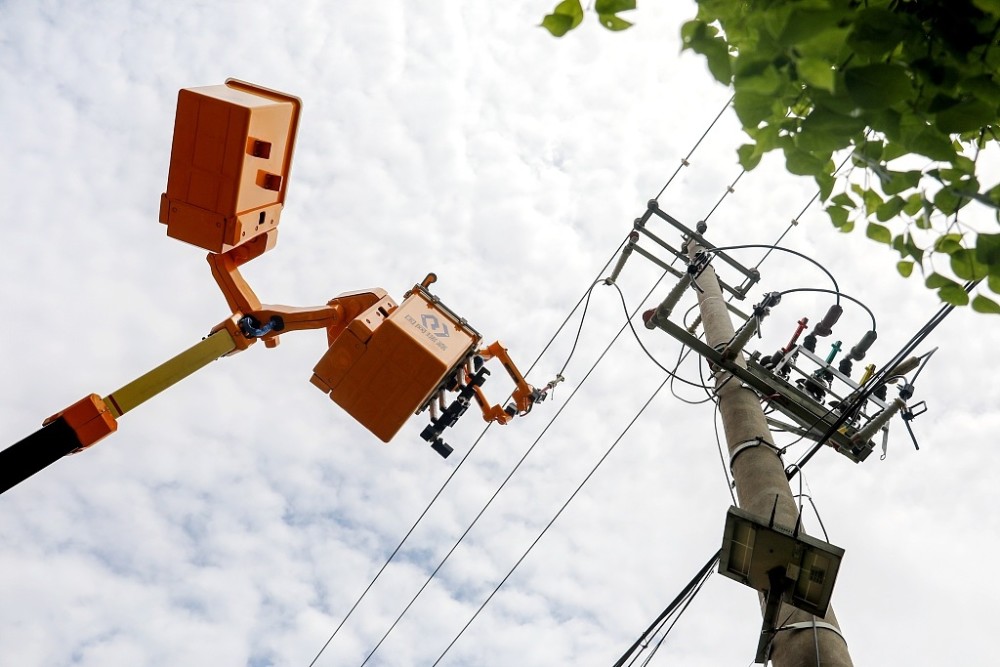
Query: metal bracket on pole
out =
(809, 625)
(748, 444)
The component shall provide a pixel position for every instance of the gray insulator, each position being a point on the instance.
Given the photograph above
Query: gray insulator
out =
(859, 350)
(878, 421)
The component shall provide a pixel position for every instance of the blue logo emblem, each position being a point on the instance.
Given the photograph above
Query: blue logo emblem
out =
(435, 326)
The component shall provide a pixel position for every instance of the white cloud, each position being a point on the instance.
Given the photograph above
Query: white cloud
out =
(236, 518)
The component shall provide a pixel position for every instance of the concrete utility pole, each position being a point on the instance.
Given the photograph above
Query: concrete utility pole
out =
(760, 478)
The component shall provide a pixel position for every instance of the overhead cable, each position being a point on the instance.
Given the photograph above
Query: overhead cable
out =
(392, 555)
(553, 519)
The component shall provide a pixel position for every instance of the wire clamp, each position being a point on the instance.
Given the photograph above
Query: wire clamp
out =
(809, 625)
(741, 447)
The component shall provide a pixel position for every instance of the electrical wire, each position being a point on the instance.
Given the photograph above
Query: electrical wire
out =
(507, 479)
(702, 574)
(795, 220)
(839, 294)
(472, 448)
(876, 380)
(552, 520)
(722, 456)
(644, 349)
(687, 603)
(685, 161)
(771, 247)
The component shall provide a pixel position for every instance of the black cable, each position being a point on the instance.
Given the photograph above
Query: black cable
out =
(552, 521)
(795, 220)
(684, 161)
(458, 466)
(680, 612)
(507, 479)
(702, 574)
(648, 353)
(722, 457)
(579, 329)
(877, 379)
(731, 188)
(839, 294)
(743, 246)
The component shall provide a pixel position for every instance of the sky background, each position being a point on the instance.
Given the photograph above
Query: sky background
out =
(236, 518)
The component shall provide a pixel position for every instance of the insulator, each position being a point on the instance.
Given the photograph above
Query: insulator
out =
(825, 327)
(654, 318)
(878, 421)
(904, 367)
(633, 238)
(741, 338)
(809, 342)
(846, 366)
(859, 350)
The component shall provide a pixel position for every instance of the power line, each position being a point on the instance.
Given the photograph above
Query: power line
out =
(472, 448)
(685, 161)
(702, 574)
(504, 482)
(552, 520)
(849, 406)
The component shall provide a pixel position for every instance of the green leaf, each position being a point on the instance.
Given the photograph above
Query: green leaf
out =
(879, 233)
(981, 304)
(988, 6)
(803, 163)
(878, 86)
(872, 201)
(557, 24)
(567, 15)
(613, 6)
(847, 227)
(954, 295)
(876, 32)
(763, 80)
(843, 199)
(917, 135)
(965, 266)
(892, 151)
(947, 201)
(824, 130)
(749, 156)
(805, 23)
(838, 216)
(966, 117)
(936, 280)
(993, 282)
(816, 72)
(752, 108)
(983, 87)
(889, 209)
(905, 268)
(988, 249)
(914, 203)
(948, 243)
(701, 38)
(899, 181)
(614, 22)
(825, 181)
(913, 250)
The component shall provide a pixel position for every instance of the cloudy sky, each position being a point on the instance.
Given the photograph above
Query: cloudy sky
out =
(235, 519)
